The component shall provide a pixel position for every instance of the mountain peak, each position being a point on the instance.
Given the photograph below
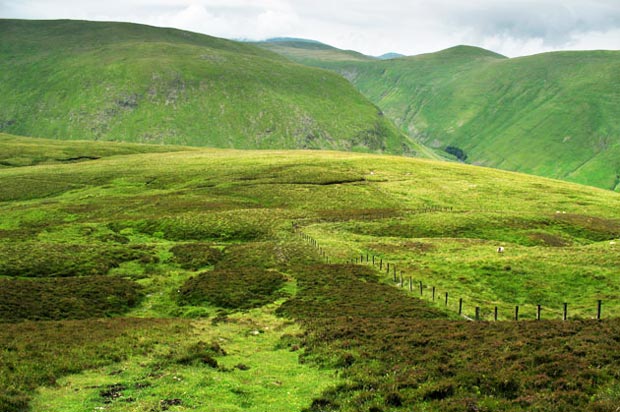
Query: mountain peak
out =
(391, 55)
(470, 51)
(299, 43)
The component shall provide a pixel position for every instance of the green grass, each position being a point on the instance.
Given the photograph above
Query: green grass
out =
(21, 151)
(551, 114)
(39, 353)
(258, 371)
(212, 238)
(126, 82)
(471, 269)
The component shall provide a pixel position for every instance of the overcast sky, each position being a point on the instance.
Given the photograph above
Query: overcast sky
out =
(511, 27)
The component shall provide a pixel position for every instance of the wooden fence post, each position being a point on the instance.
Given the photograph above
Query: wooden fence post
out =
(477, 313)
(517, 313)
(537, 312)
(460, 306)
(598, 309)
(410, 283)
(420, 288)
(373, 260)
(381, 264)
(565, 314)
(446, 299)
(433, 293)
(495, 314)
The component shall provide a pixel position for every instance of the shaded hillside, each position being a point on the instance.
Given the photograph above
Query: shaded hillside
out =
(553, 114)
(127, 82)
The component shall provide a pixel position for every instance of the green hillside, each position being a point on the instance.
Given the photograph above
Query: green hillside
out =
(553, 114)
(127, 82)
(26, 151)
(210, 279)
(310, 52)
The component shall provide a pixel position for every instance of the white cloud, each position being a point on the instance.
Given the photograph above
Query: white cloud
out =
(604, 40)
(511, 27)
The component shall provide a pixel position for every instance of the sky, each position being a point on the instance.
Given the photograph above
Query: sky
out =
(510, 27)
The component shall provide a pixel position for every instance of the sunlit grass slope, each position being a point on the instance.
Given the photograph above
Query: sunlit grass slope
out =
(552, 114)
(127, 82)
(23, 151)
(205, 248)
(556, 232)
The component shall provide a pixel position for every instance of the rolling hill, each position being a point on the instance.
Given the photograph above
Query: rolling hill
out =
(150, 277)
(309, 51)
(313, 53)
(127, 82)
(553, 114)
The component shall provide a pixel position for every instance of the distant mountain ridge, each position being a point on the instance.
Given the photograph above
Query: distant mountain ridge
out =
(553, 114)
(391, 55)
(70, 79)
(310, 52)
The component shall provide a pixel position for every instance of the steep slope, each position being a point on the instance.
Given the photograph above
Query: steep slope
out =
(553, 114)
(118, 81)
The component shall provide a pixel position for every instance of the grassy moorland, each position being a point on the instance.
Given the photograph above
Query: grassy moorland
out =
(127, 82)
(552, 114)
(217, 300)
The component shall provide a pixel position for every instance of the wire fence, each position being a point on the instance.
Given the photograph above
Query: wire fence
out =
(481, 310)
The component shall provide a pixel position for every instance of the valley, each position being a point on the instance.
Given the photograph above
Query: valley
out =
(552, 114)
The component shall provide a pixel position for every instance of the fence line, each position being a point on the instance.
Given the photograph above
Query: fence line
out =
(377, 262)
